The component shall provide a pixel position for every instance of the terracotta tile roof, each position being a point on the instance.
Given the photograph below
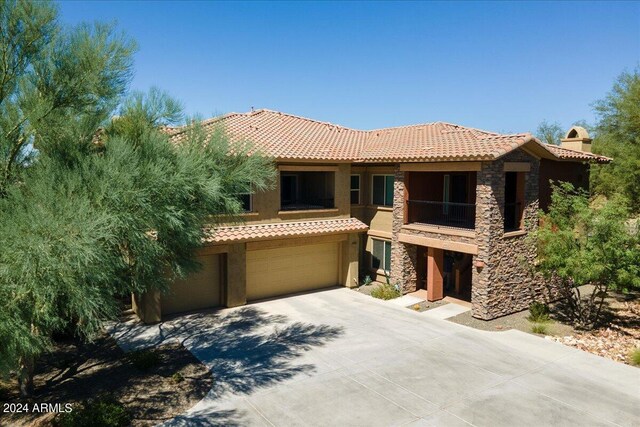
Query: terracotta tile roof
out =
(284, 136)
(567, 154)
(289, 137)
(279, 230)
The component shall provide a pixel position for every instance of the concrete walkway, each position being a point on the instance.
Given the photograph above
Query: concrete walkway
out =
(340, 358)
(446, 311)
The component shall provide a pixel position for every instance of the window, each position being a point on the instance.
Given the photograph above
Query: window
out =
(355, 189)
(382, 193)
(307, 190)
(513, 200)
(247, 202)
(381, 255)
(288, 189)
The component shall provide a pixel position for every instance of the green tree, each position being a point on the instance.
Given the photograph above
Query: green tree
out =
(549, 132)
(101, 208)
(581, 243)
(51, 75)
(618, 136)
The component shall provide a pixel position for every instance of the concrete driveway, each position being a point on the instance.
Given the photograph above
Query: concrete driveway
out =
(343, 359)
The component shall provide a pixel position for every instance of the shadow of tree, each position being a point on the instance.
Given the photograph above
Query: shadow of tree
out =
(226, 417)
(76, 371)
(249, 348)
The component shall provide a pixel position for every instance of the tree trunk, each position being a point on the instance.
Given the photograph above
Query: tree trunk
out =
(25, 375)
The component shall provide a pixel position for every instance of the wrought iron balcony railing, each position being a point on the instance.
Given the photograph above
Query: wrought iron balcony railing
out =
(461, 215)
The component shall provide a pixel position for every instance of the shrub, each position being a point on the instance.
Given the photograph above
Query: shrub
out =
(539, 328)
(538, 312)
(386, 292)
(144, 359)
(105, 412)
(635, 356)
(367, 281)
(177, 377)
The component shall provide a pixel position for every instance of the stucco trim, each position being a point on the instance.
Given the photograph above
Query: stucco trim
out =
(440, 230)
(305, 168)
(429, 242)
(381, 234)
(299, 212)
(441, 167)
(517, 167)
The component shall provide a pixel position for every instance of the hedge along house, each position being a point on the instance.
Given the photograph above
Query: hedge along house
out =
(436, 206)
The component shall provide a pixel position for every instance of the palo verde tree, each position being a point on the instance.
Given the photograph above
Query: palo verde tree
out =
(579, 243)
(618, 136)
(85, 219)
(549, 132)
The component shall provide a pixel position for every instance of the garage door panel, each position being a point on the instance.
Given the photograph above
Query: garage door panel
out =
(202, 289)
(281, 271)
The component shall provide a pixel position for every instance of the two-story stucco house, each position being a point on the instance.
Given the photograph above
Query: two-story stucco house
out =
(442, 207)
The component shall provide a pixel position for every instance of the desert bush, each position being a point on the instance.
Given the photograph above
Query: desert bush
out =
(177, 377)
(538, 312)
(583, 243)
(104, 412)
(385, 292)
(539, 328)
(635, 357)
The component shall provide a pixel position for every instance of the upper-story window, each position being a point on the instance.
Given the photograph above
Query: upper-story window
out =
(306, 190)
(247, 202)
(382, 190)
(513, 200)
(355, 189)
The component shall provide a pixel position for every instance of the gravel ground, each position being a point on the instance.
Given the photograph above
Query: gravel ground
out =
(366, 290)
(75, 371)
(423, 306)
(615, 340)
(513, 321)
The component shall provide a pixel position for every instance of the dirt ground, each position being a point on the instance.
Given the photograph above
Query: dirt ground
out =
(426, 305)
(366, 290)
(615, 339)
(75, 371)
(618, 336)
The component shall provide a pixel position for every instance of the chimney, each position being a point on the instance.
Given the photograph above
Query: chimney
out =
(577, 139)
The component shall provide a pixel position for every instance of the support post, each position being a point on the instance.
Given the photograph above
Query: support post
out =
(435, 267)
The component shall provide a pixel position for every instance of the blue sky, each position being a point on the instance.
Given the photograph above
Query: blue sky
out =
(498, 66)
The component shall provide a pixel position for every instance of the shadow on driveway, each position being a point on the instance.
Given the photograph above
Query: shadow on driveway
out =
(246, 349)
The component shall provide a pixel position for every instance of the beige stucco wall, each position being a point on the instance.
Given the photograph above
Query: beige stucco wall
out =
(233, 269)
(147, 306)
(236, 269)
(266, 204)
(378, 218)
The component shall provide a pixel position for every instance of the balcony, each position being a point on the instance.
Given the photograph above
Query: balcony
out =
(301, 191)
(306, 204)
(448, 214)
(442, 199)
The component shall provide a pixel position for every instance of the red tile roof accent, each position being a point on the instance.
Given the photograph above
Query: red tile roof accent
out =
(568, 154)
(289, 137)
(238, 233)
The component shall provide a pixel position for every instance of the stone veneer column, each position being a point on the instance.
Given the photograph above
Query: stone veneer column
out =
(487, 211)
(505, 283)
(403, 256)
